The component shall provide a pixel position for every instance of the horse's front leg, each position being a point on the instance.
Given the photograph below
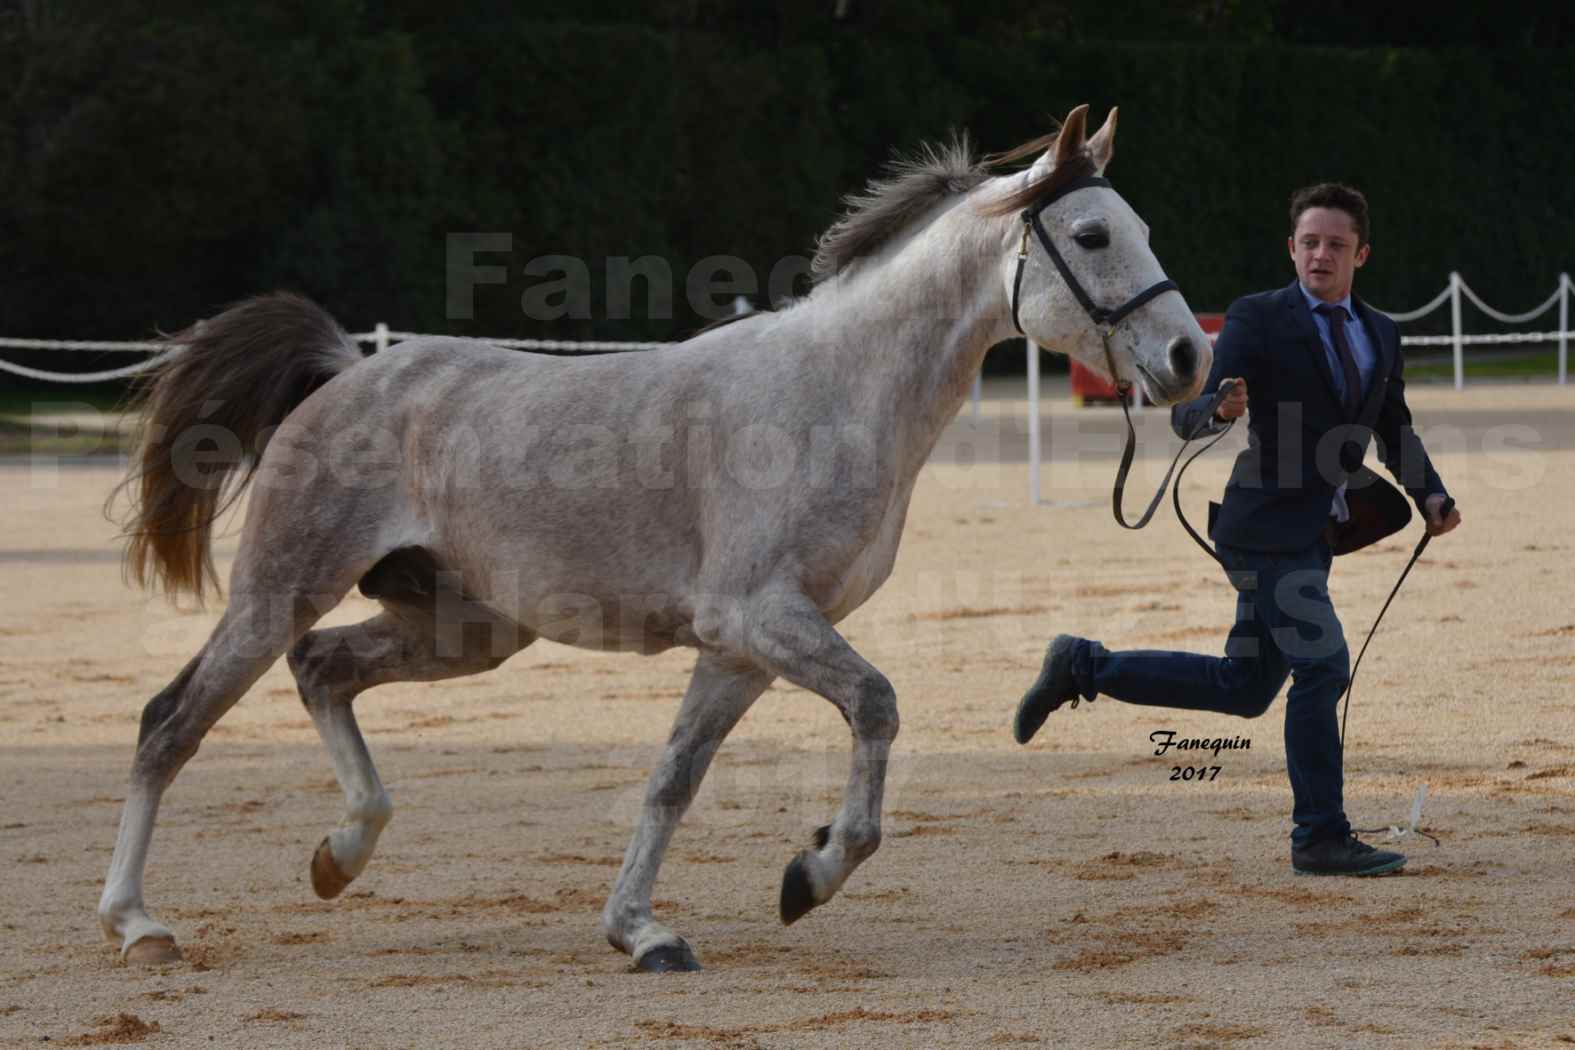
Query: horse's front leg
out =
(791, 638)
(720, 692)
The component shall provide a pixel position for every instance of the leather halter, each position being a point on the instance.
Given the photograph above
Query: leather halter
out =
(1107, 319)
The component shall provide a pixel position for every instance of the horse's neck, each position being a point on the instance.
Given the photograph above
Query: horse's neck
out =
(913, 323)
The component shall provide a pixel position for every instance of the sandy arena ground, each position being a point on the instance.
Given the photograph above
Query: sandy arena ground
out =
(1065, 894)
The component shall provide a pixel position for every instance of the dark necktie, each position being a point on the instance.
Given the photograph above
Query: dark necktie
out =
(1337, 317)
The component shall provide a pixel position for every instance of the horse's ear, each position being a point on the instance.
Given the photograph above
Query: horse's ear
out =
(1073, 133)
(1068, 142)
(1103, 145)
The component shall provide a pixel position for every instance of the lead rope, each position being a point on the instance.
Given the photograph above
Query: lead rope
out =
(1124, 388)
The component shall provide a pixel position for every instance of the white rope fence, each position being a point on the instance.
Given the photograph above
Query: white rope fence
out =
(1440, 299)
(82, 377)
(1458, 289)
(381, 338)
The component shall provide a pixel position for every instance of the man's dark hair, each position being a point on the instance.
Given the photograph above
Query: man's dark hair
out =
(1332, 195)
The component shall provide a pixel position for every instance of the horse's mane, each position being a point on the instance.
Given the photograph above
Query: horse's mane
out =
(912, 185)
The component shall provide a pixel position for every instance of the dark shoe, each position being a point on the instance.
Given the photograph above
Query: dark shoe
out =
(1347, 856)
(1056, 685)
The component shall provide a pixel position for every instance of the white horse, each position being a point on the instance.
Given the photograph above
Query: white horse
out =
(738, 494)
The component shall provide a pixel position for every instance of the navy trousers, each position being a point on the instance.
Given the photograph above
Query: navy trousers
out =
(1285, 627)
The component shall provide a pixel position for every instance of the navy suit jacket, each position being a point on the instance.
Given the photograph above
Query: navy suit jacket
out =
(1301, 445)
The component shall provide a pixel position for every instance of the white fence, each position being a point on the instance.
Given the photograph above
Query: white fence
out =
(381, 337)
(1458, 289)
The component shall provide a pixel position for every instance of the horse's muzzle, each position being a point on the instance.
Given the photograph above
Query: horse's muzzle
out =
(1178, 381)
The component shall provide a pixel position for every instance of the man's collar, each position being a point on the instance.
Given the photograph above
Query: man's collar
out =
(1313, 302)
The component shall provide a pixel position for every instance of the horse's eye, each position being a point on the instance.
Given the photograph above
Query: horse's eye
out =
(1092, 239)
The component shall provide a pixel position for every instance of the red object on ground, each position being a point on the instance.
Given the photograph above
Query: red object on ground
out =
(1089, 386)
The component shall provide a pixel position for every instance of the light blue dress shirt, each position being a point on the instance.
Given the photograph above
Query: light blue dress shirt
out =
(1366, 364)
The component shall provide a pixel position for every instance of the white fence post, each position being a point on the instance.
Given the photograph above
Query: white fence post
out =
(1564, 327)
(1454, 317)
(380, 337)
(1033, 420)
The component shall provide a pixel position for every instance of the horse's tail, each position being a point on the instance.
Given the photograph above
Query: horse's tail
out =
(206, 415)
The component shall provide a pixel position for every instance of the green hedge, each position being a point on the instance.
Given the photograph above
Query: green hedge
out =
(156, 167)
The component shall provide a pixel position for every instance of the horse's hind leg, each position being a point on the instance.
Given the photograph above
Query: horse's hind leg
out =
(249, 638)
(719, 694)
(410, 642)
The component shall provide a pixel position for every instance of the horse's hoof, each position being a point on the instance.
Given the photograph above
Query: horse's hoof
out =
(668, 958)
(328, 881)
(797, 896)
(153, 951)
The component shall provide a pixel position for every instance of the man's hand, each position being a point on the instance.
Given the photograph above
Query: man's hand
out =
(1437, 525)
(1234, 404)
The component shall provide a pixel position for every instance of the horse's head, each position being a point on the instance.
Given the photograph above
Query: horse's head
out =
(1082, 279)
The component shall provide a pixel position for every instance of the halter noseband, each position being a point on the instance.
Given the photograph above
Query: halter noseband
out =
(1106, 319)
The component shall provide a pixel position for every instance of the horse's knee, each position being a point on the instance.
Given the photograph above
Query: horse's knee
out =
(673, 789)
(299, 660)
(322, 667)
(874, 711)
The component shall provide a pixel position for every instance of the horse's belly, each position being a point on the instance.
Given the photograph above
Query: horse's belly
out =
(642, 617)
(640, 623)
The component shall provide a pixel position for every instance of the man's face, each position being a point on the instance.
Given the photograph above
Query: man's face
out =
(1325, 252)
